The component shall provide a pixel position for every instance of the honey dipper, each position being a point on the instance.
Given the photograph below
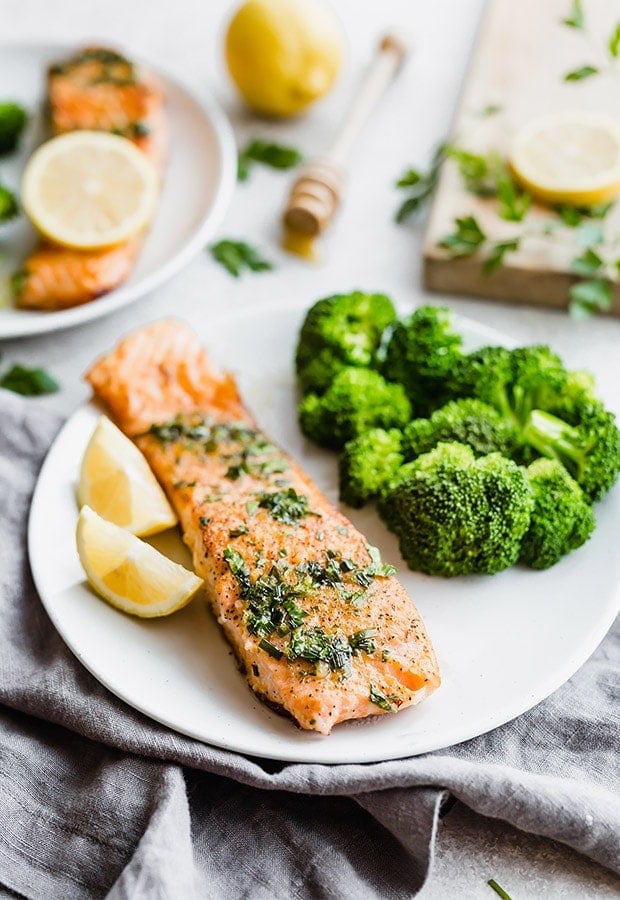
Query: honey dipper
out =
(317, 191)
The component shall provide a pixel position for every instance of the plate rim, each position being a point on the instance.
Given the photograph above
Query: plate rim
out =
(48, 322)
(560, 675)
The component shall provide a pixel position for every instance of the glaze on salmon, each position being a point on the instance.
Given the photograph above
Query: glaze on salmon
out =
(96, 89)
(321, 627)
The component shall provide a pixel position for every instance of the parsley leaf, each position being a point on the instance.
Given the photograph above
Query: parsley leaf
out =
(588, 263)
(589, 234)
(575, 18)
(236, 256)
(613, 44)
(28, 382)
(496, 257)
(466, 239)
(581, 73)
(588, 297)
(276, 156)
(422, 184)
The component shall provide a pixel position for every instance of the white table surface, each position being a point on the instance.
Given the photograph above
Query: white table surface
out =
(365, 249)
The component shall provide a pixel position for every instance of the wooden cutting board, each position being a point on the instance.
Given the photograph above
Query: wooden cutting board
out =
(521, 55)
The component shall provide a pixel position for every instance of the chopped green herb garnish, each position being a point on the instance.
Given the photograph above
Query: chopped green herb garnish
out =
(237, 566)
(238, 531)
(251, 507)
(498, 889)
(377, 567)
(204, 521)
(385, 655)
(237, 256)
(269, 648)
(181, 485)
(28, 382)
(388, 703)
(315, 645)
(581, 73)
(19, 280)
(277, 156)
(285, 506)
(362, 641)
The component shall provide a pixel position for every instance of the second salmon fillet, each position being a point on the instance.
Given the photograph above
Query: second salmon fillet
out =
(322, 629)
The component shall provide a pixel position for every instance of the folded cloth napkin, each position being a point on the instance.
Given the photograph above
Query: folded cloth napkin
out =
(97, 800)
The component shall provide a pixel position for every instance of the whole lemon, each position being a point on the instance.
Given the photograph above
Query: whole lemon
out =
(283, 54)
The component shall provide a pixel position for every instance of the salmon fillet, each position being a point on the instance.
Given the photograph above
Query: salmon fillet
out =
(321, 628)
(97, 89)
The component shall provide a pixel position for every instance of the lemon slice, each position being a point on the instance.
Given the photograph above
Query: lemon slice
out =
(89, 190)
(117, 482)
(569, 158)
(127, 572)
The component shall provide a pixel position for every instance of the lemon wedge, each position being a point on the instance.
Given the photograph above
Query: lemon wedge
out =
(89, 190)
(117, 482)
(571, 157)
(283, 54)
(127, 572)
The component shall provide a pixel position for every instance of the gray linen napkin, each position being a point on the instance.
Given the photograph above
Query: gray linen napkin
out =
(97, 800)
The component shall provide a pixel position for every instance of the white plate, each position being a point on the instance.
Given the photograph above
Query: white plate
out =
(503, 642)
(198, 184)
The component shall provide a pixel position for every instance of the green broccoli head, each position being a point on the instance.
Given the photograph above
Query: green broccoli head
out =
(586, 440)
(421, 354)
(357, 399)
(562, 518)
(512, 381)
(466, 421)
(339, 331)
(367, 463)
(455, 514)
(13, 118)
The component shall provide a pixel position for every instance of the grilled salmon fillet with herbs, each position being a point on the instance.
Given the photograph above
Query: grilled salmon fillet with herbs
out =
(321, 627)
(96, 89)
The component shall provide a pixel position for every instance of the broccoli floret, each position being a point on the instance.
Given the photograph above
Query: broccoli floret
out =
(340, 331)
(13, 118)
(421, 354)
(466, 421)
(455, 514)
(585, 440)
(562, 518)
(357, 399)
(367, 463)
(512, 381)
(8, 204)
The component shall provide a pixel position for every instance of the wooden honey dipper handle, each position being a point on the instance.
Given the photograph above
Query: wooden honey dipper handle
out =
(316, 193)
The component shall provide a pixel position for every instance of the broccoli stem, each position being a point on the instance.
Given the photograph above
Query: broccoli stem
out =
(555, 439)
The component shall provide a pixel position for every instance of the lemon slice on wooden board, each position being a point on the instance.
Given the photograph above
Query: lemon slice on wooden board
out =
(117, 482)
(571, 157)
(89, 190)
(130, 574)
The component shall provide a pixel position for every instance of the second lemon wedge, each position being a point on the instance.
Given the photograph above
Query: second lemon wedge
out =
(89, 190)
(117, 482)
(571, 157)
(130, 574)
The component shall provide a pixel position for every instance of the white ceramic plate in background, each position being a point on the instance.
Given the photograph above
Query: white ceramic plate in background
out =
(503, 642)
(198, 183)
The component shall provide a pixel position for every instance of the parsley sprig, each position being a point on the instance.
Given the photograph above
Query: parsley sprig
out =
(28, 382)
(268, 153)
(576, 20)
(237, 257)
